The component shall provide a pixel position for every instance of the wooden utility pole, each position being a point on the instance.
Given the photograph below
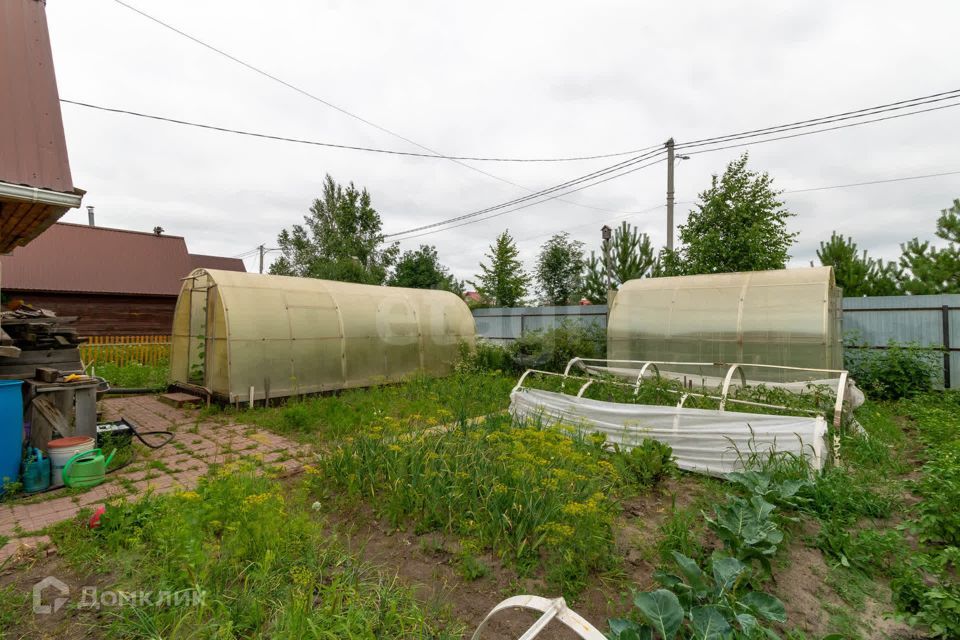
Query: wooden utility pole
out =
(670, 161)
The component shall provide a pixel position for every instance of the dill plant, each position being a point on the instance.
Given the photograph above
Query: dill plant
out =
(541, 498)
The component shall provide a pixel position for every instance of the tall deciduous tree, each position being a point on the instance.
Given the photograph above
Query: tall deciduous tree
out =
(341, 239)
(559, 270)
(421, 269)
(856, 272)
(739, 225)
(631, 256)
(504, 282)
(935, 270)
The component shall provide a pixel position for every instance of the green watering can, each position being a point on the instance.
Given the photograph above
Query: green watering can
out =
(86, 469)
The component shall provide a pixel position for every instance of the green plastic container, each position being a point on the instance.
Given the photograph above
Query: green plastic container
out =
(86, 469)
(35, 471)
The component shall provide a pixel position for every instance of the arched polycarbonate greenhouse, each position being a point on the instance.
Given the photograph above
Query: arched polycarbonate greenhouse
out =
(283, 336)
(788, 317)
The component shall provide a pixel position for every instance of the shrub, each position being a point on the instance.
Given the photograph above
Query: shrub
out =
(485, 356)
(899, 371)
(552, 349)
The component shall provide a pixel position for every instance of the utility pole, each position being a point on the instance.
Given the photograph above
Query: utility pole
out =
(670, 159)
(262, 250)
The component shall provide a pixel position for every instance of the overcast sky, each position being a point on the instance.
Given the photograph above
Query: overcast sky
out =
(503, 79)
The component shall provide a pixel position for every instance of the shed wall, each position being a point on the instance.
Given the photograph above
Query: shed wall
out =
(286, 336)
(104, 314)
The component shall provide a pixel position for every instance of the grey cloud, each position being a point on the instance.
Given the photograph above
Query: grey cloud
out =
(532, 78)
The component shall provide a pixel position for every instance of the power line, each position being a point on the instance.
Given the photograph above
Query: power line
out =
(331, 105)
(809, 133)
(591, 224)
(745, 135)
(531, 204)
(824, 188)
(695, 143)
(858, 184)
(534, 193)
(861, 184)
(334, 145)
(846, 115)
(537, 194)
(818, 123)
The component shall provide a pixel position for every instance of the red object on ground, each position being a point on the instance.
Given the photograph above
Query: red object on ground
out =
(95, 518)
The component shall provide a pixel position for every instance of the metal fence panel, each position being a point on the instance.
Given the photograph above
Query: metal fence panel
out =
(921, 320)
(504, 324)
(872, 322)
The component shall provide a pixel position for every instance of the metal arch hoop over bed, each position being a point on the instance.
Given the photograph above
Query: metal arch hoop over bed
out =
(723, 398)
(555, 609)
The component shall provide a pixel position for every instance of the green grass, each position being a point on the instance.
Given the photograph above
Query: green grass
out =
(134, 375)
(13, 605)
(682, 531)
(266, 567)
(420, 402)
(926, 584)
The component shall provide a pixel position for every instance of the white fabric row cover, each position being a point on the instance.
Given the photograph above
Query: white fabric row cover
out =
(703, 440)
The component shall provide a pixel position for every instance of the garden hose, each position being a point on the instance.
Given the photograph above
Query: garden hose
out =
(170, 435)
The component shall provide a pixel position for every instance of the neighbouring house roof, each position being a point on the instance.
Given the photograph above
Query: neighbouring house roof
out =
(36, 187)
(201, 261)
(75, 258)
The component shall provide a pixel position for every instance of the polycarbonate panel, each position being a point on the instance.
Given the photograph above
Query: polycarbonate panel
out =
(786, 317)
(302, 335)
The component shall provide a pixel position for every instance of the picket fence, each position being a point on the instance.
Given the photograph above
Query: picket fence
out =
(121, 350)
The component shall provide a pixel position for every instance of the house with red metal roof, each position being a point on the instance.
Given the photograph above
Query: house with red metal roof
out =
(115, 281)
(36, 187)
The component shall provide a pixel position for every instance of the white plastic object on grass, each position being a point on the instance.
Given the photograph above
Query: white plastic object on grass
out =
(555, 609)
(707, 441)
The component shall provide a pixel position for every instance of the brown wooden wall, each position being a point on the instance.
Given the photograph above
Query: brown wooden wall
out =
(106, 315)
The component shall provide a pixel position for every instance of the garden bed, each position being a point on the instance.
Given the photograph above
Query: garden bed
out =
(419, 517)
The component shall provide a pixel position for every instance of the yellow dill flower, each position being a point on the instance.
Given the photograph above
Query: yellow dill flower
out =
(301, 576)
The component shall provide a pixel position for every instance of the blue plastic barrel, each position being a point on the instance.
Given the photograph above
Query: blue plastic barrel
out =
(11, 430)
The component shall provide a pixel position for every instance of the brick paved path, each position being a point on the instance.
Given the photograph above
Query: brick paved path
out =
(178, 465)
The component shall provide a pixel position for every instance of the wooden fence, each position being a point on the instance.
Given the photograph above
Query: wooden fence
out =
(121, 350)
